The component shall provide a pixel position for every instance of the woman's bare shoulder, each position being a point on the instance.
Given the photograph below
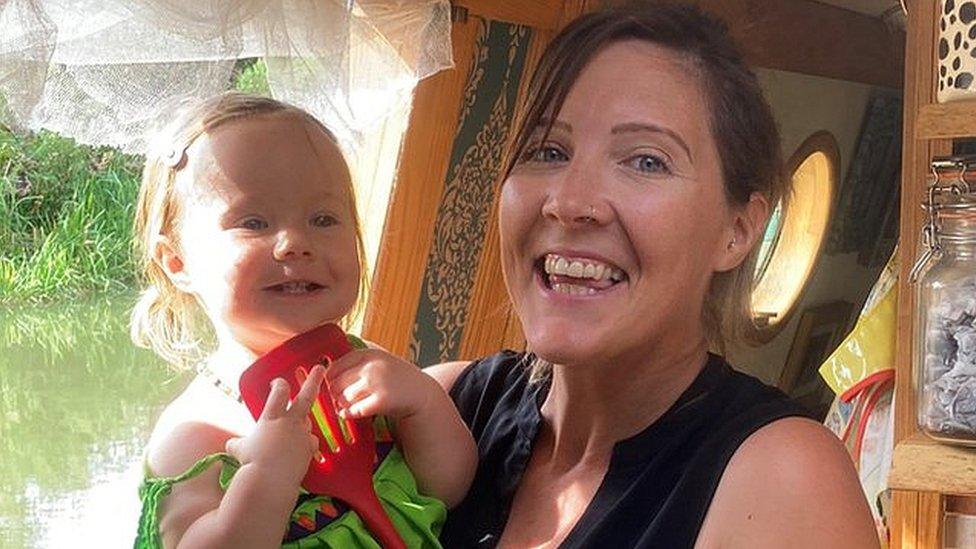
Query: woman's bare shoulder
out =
(791, 482)
(447, 373)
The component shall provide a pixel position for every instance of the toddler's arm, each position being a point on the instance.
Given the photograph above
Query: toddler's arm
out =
(436, 443)
(254, 511)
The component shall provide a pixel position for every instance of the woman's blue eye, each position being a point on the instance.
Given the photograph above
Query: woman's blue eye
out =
(324, 220)
(546, 154)
(647, 163)
(253, 224)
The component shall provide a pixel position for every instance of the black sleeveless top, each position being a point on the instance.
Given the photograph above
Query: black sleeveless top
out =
(659, 483)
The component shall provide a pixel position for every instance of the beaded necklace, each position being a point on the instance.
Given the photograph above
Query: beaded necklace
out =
(225, 388)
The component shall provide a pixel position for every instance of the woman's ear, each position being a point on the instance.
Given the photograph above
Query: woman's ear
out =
(167, 255)
(747, 225)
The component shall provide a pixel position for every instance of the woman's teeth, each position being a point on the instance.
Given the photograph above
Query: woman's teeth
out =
(573, 289)
(588, 269)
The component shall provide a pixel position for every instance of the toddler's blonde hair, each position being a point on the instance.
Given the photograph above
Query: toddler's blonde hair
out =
(165, 319)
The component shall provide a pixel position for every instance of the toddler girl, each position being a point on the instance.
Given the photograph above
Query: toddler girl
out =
(247, 220)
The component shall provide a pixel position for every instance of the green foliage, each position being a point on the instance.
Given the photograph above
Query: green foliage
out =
(66, 211)
(251, 76)
(65, 218)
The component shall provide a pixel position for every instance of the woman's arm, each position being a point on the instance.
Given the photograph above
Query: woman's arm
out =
(790, 484)
(436, 443)
(439, 448)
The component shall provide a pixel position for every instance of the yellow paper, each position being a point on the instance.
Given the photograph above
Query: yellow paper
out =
(869, 348)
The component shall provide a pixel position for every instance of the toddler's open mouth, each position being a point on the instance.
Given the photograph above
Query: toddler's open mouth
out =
(295, 287)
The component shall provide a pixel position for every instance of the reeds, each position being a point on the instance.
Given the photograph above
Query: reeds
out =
(65, 218)
(66, 211)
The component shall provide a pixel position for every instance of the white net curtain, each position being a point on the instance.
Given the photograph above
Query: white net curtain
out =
(100, 70)
(103, 71)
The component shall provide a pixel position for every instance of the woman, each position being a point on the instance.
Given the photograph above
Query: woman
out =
(637, 185)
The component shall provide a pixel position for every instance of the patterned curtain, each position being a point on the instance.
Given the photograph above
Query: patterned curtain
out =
(486, 114)
(866, 214)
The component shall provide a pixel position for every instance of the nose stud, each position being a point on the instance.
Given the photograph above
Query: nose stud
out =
(591, 216)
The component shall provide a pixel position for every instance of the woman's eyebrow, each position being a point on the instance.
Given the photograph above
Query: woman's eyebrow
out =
(544, 123)
(631, 127)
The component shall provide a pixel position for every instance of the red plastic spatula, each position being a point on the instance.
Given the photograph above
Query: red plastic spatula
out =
(343, 466)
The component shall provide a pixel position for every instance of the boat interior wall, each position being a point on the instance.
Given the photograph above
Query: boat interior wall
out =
(438, 264)
(845, 45)
(803, 105)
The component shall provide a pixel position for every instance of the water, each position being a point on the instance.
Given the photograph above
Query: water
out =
(77, 402)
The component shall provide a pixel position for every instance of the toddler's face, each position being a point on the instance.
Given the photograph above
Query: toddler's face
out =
(267, 239)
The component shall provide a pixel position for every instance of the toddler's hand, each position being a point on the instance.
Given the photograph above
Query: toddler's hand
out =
(373, 382)
(282, 443)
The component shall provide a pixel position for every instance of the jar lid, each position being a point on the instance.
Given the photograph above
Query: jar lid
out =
(952, 188)
(950, 206)
(953, 180)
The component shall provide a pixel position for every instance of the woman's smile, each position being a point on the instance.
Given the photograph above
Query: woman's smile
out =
(579, 276)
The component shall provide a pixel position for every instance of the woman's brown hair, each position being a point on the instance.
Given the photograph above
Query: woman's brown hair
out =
(741, 121)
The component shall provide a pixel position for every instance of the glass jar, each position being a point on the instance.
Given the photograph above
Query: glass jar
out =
(945, 278)
(959, 531)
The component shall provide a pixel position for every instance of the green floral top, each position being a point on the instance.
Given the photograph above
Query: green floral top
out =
(318, 520)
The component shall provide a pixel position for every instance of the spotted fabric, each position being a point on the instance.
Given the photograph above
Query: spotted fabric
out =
(957, 50)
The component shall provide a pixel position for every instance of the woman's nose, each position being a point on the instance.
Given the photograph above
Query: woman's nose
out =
(292, 244)
(573, 201)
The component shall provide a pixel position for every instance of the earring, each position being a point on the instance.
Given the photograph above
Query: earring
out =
(732, 243)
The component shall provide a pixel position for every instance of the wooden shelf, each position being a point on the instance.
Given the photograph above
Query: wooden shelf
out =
(922, 464)
(946, 120)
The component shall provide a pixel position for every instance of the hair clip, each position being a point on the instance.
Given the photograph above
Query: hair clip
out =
(175, 157)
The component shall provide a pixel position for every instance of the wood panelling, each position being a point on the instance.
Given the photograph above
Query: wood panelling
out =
(904, 520)
(947, 120)
(912, 525)
(916, 516)
(922, 464)
(809, 37)
(539, 14)
(424, 158)
(916, 155)
(812, 38)
(930, 514)
(918, 73)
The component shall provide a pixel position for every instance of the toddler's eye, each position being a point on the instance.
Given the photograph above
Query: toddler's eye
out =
(648, 163)
(324, 220)
(253, 224)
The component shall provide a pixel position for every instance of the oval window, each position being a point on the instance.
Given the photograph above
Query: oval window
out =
(794, 234)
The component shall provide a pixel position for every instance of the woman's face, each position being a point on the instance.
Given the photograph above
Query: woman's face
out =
(612, 227)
